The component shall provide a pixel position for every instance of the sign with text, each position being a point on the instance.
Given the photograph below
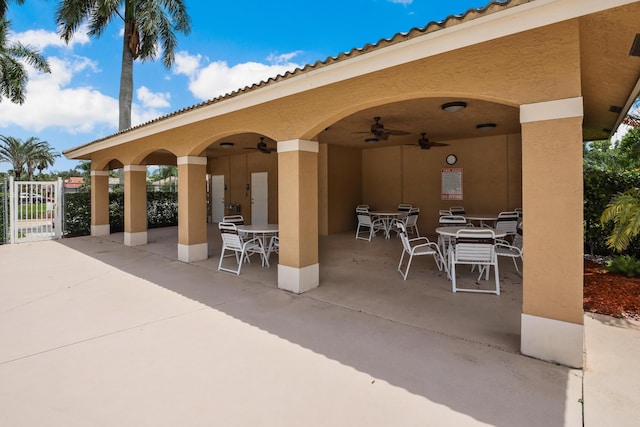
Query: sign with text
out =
(451, 184)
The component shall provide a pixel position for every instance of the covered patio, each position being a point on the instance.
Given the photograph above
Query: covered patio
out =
(536, 79)
(362, 277)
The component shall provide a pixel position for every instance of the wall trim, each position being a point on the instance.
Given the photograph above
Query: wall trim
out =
(298, 145)
(192, 160)
(550, 110)
(298, 280)
(135, 239)
(100, 230)
(135, 168)
(552, 340)
(193, 253)
(99, 173)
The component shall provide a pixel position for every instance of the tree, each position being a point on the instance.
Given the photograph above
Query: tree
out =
(4, 5)
(12, 151)
(39, 155)
(13, 76)
(624, 211)
(147, 24)
(31, 154)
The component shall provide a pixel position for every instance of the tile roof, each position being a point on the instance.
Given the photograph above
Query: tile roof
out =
(450, 21)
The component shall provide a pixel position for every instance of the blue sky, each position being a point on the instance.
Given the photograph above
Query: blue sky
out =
(231, 45)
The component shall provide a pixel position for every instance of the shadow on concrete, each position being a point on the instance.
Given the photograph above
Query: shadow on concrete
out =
(459, 350)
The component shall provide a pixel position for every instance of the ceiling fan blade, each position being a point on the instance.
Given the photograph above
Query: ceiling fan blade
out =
(438, 144)
(396, 132)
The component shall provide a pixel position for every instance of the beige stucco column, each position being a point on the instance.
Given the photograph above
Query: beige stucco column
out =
(100, 203)
(298, 268)
(552, 318)
(135, 205)
(192, 209)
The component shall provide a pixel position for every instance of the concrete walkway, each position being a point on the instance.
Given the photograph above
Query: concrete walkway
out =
(97, 334)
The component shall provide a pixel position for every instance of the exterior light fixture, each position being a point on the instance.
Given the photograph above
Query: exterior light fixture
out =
(226, 144)
(486, 126)
(454, 107)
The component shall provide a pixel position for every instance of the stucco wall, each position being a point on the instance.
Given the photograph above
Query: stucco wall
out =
(491, 170)
(345, 187)
(237, 172)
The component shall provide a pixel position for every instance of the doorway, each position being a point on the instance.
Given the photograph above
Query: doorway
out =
(217, 197)
(259, 198)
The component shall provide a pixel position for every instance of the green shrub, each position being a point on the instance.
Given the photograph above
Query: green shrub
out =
(116, 211)
(162, 209)
(624, 264)
(77, 214)
(600, 186)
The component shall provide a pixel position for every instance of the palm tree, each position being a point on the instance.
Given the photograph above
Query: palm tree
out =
(13, 76)
(31, 153)
(39, 155)
(147, 24)
(624, 211)
(4, 5)
(12, 151)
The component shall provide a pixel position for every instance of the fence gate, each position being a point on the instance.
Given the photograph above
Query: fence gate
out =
(36, 210)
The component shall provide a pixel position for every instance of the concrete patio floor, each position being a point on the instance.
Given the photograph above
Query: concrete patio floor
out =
(96, 333)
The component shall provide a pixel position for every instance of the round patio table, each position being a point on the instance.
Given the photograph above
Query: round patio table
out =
(482, 218)
(387, 218)
(260, 230)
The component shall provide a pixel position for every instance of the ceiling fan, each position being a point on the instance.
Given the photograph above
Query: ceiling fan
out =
(425, 144)
(262, 147)
(378, 132)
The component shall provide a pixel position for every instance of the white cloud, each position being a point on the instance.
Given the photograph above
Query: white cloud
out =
(151, 99)
(51, 104)
(402, 2)
(218, 78)
(41, 39)
(186, 64)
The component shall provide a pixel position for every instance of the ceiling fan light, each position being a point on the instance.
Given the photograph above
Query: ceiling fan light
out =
(454, 107)
(486, 126)
(226, 144)
(371, 140)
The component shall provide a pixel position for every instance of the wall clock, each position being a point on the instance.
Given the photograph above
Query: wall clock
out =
(452, 159)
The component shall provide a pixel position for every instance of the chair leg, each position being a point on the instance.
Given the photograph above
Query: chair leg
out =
(495, 270)
(400, 265)
(452, 271)
(408, 266)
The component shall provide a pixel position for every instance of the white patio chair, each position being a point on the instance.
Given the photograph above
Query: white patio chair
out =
(416, 247)
(363, 207)
(476, 247)
(242, 250)
(274, 246)
(234, 219)
(457, 210)
(368, 225)
(512, 250)
(404, 207)
(508, 222)
(237, 220)
(410, 222)
(449, 221)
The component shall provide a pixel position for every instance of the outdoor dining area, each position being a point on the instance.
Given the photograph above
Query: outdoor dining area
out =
(240, 241)
(476, 241)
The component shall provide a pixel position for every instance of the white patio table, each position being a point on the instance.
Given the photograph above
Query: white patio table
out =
(387, 218)
(260, 230)
(482, 218)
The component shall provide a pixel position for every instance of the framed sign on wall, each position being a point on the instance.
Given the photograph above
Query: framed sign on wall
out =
(451, 184)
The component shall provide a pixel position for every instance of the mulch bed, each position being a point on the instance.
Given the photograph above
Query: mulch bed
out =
(610, 293)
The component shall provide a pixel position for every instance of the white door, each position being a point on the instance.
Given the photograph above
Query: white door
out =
(217, 197)
(259, 198)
